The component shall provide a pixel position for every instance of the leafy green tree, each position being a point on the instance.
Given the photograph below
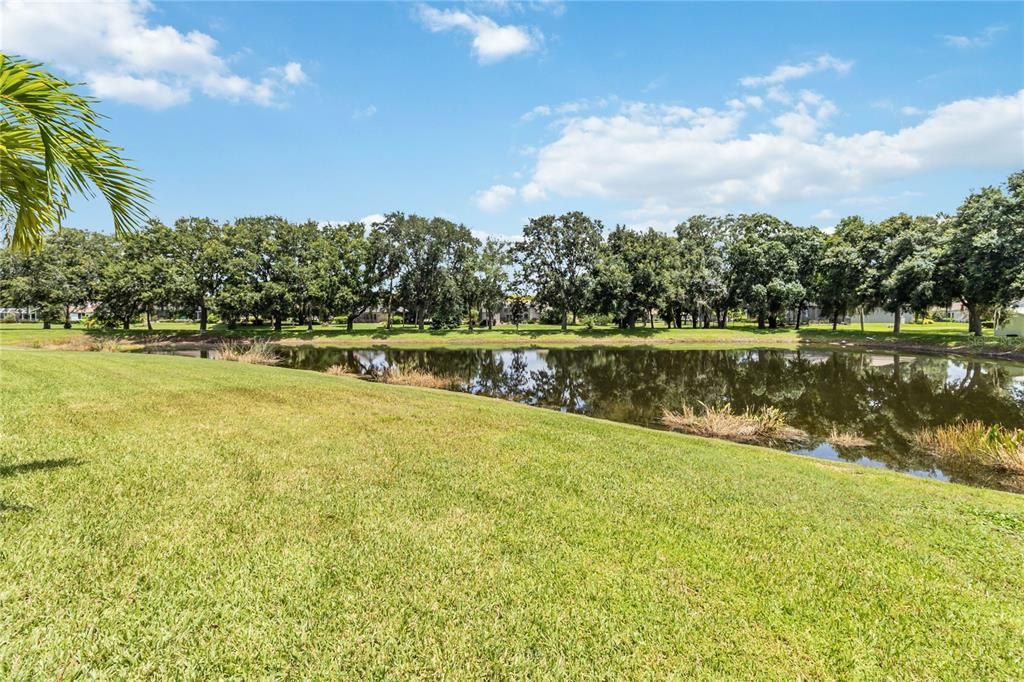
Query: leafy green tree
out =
(265, 268)
(639, 268)
(868, 241)
(840, 272)
(908, 264)
(437, 253)
(50, 151)
(608, 290)
(806, 245)
(701, 285)
(981, 262)
(488, 286)
(316, 278)
(765, 269)
(556, 255)
(59, 275)
(385, 242)
(200, 255)
(137, 275)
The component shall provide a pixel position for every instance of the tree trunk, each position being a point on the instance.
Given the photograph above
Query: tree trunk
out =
(419, 318)
(861, 309)
(799, 312)
(204, 317)
(127, 324)
(350, 322)
(707, 320)
(46, 324)
(835, 320)
(565, 319)
(574, 317)
(773, 322)
(760, 320)
(277, 323)
(896, 320)
(973, 319)
(67, 317)
(149, 320)
(387, 324)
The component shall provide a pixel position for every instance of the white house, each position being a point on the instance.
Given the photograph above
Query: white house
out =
(1013, 324)
(880, 315)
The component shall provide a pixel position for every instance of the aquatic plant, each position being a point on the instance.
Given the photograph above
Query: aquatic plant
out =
(847, 439)
(991, 446)
(411, 377)
(257, 353)
(764, 426)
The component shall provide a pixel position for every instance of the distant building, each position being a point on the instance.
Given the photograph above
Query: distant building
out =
(31, 314)
(881, 315)
(1013, 324)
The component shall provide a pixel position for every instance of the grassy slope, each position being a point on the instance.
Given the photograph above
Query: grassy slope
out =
(164, 516)
(944, 337)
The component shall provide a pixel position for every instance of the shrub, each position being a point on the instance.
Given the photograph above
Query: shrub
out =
(340, 371)
(551, 316)
(591, 321)
(992, 447)
(257, 353)
(764, 426)
(10, 318)
(845, 439)
(410, 377)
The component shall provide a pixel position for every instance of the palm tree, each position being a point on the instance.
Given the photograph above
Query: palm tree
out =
(49, 151)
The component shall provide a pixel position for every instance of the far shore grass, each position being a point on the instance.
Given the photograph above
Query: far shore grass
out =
(938, 337)
(162, 518)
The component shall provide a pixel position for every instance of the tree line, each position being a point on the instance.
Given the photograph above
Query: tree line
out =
(436, 272)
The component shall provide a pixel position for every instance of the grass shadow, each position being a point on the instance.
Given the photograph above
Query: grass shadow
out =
(8, 470)
(15, 507)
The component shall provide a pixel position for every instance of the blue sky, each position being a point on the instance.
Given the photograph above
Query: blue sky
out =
(488, 113)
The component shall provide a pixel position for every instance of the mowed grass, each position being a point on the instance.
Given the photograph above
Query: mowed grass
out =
(167, 517)
(943, 337)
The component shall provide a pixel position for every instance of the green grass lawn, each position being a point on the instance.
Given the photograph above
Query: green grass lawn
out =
(167, 517)
(952, 337)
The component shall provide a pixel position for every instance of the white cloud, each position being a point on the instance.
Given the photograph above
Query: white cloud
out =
(147, 92)
(910, 111)
(492, 42)
(372, 218)
(124, 56)
(496, 198)
(983, 39)
(365, 112)
(292, 73)
(785, 72)
(565, 108)
(653, 155)
(824, 214)
(539, 111)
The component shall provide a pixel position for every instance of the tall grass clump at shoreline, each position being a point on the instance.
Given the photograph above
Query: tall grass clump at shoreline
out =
(764, 426)
(974, 442)
(846, 439)
(256, 353)
(412, 377)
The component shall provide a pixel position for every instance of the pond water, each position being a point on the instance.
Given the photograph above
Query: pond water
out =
(883, 396)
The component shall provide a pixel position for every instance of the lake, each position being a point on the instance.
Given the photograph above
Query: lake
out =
(883, 396)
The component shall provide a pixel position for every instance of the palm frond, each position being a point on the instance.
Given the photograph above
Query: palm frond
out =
(50, 151)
